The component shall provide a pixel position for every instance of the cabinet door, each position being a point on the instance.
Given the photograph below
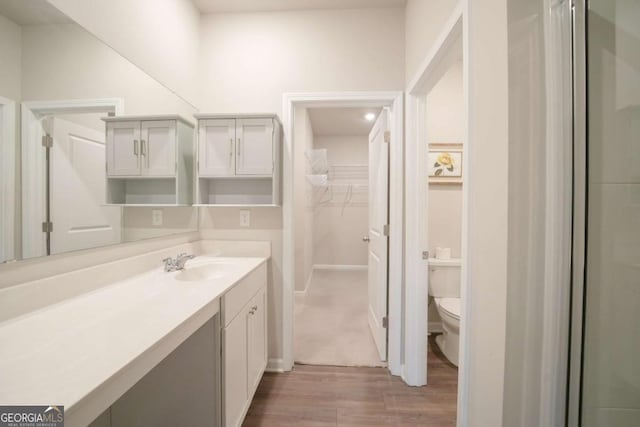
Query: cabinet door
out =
(123, 148)
(216, 146)
(256, 339)
(158, 148)
(254, 152)
(235, 394)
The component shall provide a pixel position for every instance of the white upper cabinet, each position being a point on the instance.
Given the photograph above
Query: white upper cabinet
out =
(238, 160)
(123, 149)
(254, 146)
(158, 148)
(216, 147)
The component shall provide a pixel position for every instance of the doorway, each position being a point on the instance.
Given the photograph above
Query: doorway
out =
(341, 191)
(439, 222)
(293, 103)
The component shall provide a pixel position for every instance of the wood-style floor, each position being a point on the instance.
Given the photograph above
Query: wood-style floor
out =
(338, 396)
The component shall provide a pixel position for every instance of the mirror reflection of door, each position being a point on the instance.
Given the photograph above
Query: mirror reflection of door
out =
(77, 187)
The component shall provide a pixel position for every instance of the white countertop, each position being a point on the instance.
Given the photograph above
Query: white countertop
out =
(86, 351)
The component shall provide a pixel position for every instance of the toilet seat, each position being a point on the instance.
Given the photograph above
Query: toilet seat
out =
(451, 306)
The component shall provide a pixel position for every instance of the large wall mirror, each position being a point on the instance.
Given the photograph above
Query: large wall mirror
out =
(58, 79)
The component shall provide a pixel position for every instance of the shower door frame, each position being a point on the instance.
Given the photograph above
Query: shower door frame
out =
(580, 199)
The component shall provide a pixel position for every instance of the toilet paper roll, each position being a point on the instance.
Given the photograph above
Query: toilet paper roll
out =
(443, 253)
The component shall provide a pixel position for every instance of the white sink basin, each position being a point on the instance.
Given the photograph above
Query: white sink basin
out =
(204, 272)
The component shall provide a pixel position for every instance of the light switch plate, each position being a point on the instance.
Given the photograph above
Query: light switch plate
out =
(156, 217)
(245, 218)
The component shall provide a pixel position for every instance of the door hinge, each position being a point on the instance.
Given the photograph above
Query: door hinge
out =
(47, 227)
(387, 136)
(385, 322)
(425, 254)
(385, 229)
(47, 141)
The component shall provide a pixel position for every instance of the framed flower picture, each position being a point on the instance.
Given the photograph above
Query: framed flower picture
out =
(445, 163)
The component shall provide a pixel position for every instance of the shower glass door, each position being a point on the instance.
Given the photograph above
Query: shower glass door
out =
(610, 378)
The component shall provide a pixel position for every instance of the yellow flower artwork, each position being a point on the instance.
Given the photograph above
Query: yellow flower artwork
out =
(445, 165)
(444, 161)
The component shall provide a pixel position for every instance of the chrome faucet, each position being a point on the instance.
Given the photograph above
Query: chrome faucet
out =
(171, 264)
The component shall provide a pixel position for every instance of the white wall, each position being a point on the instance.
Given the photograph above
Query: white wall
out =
(424, 20)
(138, 31)
(250, 60)
(137, 222)
(445, 124)
(338, 229)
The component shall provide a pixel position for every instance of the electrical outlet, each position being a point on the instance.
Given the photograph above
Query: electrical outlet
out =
(156, 217)
(245, 218)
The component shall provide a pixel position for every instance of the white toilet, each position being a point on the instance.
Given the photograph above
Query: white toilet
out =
(444, 287)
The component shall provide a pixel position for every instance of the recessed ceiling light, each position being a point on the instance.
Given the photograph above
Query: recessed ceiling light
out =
(369, 116)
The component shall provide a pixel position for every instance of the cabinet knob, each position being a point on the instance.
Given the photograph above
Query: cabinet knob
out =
(254, 308)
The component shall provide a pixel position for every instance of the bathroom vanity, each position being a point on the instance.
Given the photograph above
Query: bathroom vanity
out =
(189, 344)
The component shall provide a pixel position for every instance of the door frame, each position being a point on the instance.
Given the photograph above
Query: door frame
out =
(444, 52)
(394, 100)
(7, 179)
(33, 161)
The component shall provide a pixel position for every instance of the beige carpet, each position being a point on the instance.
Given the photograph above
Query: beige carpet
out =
(331, 321)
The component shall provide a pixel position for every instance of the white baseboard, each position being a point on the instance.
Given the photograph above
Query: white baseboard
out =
(338, 267)
(275, 365)
(299, 295)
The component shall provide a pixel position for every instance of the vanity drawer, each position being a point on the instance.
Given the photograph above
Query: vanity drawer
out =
(237, 297)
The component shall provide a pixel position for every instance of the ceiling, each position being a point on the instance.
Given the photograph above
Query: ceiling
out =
(341, 121)
(32, 12)
(219, 6)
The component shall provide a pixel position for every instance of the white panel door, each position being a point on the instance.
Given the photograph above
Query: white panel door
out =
(254, 151)
(257, 339)
(123, 148)
(216, 147)
(235, 369)
(378, 240)
(80, 220)
(158, 148)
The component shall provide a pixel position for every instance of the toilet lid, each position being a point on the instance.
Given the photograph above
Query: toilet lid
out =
(451, 306)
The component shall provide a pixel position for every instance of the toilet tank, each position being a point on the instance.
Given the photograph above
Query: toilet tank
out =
(444, 278)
